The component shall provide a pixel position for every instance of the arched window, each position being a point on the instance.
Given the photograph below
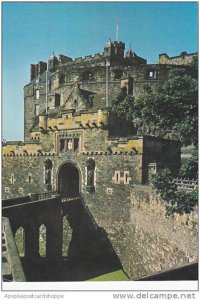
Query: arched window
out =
(42, 240)
(90, 175)
(48, 174)
(67, 236)
(19, 240)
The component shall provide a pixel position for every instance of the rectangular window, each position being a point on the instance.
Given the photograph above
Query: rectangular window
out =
(76, 142)
(12, 179)
(117, 177)
(67, 144)
(126, 177)
(37, 94)
(29, 179)
(37, 109)
(62, 145)
(57, 100)
(152, 74)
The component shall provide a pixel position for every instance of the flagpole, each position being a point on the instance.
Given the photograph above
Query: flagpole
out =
(106, 83)
(46, 96)
(117, 32)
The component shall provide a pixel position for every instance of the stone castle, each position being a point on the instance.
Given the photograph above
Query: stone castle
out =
(75, 144)
(68, 122)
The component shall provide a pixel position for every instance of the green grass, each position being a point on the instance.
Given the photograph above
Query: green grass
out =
(114, 276)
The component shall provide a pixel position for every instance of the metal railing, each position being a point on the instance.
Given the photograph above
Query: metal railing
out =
(188, 185)
(69, 198)
(46, 195)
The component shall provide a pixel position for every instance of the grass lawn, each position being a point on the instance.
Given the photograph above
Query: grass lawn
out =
(113, 276)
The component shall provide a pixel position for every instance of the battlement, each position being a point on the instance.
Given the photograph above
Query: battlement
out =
(21, 149)
(183, 59)
(87, 58)
(83, 120)
(37, 69)
(113, 51)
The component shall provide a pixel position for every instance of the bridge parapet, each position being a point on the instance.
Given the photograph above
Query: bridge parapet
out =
(11, 265)
(30, 198)
(67, 199)
(42, 196)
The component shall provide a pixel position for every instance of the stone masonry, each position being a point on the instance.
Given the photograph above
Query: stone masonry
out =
(74, 144)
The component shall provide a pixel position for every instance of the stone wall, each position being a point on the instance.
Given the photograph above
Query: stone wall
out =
(132, 215)
(183, 59)
(18, 180)
(30, 102)
(145, 240)
(62, 81)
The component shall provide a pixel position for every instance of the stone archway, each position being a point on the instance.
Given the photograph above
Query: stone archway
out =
(69, 180)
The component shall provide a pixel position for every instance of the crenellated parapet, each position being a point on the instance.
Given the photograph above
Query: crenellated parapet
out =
(128, 144)
(99, 153)
(21, 149)
(83, 120)
(183, 59)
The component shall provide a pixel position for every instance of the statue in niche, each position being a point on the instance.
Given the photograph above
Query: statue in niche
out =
(70, 145)
(90, 175)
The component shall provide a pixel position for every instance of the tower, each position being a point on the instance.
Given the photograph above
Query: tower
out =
(114, 50)
(52, 62)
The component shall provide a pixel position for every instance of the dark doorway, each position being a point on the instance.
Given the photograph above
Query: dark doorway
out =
(68, 180)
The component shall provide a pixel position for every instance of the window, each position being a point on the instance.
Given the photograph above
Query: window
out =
(130, 86)
(37, 109)
(69, 144)
(57, 100)
(62, 145)
(67, 236)
(118, 74)
(29, 178)
(19, 240)
(76, 143)
(87, 75)
(37, 94)
(62, 78)
(90, 175)
(42, 240)
(12, 179)
(126, 177)
(75, 103)
(152, 74)
(48, 174)
(116, 178)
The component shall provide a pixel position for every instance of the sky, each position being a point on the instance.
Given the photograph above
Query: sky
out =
(32, 31)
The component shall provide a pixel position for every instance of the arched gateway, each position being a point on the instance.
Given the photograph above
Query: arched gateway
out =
(69, 180)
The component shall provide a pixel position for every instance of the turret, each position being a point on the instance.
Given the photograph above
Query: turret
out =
(43, 122)
(37, 69)
(114, 50)
(52, 63)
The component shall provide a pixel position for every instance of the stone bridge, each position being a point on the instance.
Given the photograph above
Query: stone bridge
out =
(59, 239)
(84, 254)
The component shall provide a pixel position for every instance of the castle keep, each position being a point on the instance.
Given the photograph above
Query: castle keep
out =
(69, 121)
(74, 144)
